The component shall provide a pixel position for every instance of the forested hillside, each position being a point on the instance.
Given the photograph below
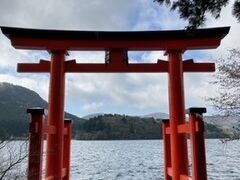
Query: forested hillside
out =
(14, 101)
(108, 126)
(115, 126)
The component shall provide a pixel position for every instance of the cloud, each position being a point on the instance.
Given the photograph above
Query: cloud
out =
(71, 14)
(8, 55)
(152, 16)
(134, 91)
(92, 107)
(119, 93)
(226, 19)
(37, 84)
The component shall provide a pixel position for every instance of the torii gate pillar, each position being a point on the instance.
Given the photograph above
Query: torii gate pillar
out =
(56, 114)
(177, 114)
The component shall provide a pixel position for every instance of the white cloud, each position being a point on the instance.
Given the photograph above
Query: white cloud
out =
(226, 19)
(86, 93)
(92, 107)
(8, 55)
(37, 84)
(71, 14)
(152, 16)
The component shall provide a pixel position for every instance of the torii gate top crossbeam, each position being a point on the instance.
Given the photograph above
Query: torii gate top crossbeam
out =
(105, 40)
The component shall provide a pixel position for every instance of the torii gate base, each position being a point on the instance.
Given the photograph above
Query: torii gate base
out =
(195, 129)
(38, 128)
(116, 45)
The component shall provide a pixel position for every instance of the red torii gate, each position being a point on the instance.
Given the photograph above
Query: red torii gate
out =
(116, 45)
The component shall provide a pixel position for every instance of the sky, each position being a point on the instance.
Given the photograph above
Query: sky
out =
(132, 94)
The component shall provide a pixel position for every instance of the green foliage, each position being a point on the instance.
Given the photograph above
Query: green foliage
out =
(94, 124)
(195, 10)
(108, 127)
(236, 10)
(14, 101)
(111, 127)
(214, 132)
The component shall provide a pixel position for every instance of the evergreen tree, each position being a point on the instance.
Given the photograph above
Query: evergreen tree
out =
(194, 11)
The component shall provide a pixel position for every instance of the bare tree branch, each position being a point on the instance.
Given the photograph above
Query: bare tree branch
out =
(227, 79)
(12, 156)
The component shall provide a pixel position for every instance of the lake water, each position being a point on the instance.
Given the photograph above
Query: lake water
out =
(143, 160)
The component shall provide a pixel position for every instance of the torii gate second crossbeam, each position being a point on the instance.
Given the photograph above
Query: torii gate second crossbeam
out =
(116, 45)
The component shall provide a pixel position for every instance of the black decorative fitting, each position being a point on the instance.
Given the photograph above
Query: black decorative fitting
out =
(36, 110)
(165, 120)
(125, 57)
(67, 121)
(107, 57)
(113, 35)
(197, 110)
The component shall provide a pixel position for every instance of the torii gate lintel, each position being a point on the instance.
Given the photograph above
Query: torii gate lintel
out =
(70, 66)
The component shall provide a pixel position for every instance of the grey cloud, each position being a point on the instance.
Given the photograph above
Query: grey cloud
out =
(135, 90)
(72, 14)
(140, 91)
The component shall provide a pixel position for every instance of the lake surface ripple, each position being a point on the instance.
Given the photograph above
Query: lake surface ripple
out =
(143, 160)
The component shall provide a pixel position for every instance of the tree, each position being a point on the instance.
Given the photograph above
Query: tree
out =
(227, 79)
(195, 10)
(13, 155)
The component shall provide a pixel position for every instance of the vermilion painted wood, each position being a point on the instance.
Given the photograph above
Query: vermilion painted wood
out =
(67, 148)
(64, 173)
(50, 178)
(168, 130)
(179, 153)
(185, 177)
(47, 129)
(191, 66)
(167, 149)
(199, 170)
(183, 128)
(73, 67)
(170, 171)
(35, 146)
(56, 115)
(137, 45)
(174, 42)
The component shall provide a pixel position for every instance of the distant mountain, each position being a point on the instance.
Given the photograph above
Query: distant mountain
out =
(225, 125)
(89, 116)
(157, 115)
(109, 127)
(14, 101)
(229, 124)
(223, 121)
(113, 127)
